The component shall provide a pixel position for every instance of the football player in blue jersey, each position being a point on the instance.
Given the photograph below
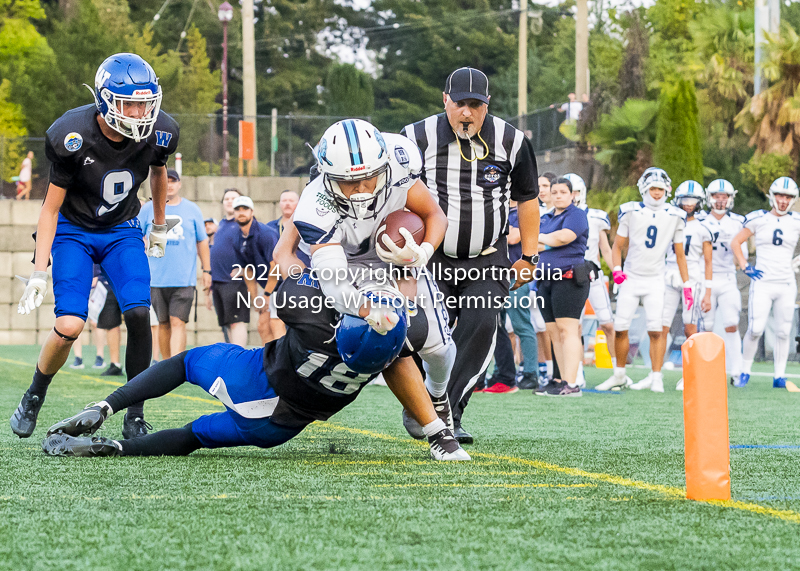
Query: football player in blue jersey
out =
(271, 394)
(100, 154)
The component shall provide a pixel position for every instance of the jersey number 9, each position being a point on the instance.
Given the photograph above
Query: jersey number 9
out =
(652, 232)
(116, 186)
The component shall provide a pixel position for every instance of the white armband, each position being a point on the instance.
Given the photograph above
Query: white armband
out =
(708, 283)
(331, 268)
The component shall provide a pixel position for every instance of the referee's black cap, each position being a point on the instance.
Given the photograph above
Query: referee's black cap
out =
(467, 83)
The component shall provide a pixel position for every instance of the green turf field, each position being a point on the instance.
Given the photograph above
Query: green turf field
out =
(590, 483)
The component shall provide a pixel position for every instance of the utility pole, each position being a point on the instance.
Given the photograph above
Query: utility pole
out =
(768, 19)
(249, 76)
(582, 50)
(522, 70)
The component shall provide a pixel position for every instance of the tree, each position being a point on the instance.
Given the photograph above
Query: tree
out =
(348, 92)
(12, 129)
(772, 118)
(678, 149)
(632, 71)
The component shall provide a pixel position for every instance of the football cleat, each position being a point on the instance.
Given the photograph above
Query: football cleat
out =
(442, 407)
(23, 421)
(779, 383)
(134, 427)
(657, 384)
(413, 427)
(501, 389)
(462, 436)
(445, 448)
(81, 446)
(679, 386)
(614, 381)
(742, 380)
(86, 422)
(645, 383)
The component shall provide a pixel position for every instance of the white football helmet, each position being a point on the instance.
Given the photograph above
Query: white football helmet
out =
(717, 187)
(689, 192)
(578, 185)
(353, 150)
(786, 186)
(654, 177)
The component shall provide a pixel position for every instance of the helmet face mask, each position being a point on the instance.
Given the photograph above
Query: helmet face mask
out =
(350, 151)
(783, 186)
(127, 95)
(689, 196)
(654, 177)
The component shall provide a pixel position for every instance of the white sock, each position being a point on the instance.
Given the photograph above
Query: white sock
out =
(656, 376)
(619, 372)
(749, 348)
(614, 362)
(549, 365)
(780, 356)
(733, 352)
(580, 369)
(104, 404)
(438, 365)
(433, 427)
(747, 366)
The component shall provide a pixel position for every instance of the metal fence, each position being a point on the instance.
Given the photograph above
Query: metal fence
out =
(544, 128)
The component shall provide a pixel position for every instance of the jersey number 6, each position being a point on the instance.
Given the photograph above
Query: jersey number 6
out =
(116, 186)
(776, 237)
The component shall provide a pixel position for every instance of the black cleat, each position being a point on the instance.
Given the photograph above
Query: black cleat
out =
(23, 421)
(444, 447)
(134, 427)
(462, 435)
(442, 407)
(529, 381)
(82, 446)
(87, 421)
(412, 426)
(112, 371)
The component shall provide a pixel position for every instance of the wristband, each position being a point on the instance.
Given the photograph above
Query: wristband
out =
(707, 284)
(616, 269)
(687, 285)
(206, 271)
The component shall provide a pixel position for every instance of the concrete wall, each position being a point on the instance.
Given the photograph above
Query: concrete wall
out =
(18, 221)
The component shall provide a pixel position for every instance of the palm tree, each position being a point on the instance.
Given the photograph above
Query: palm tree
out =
(772, 118)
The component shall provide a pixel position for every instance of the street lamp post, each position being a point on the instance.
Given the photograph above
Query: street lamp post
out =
(225, 15)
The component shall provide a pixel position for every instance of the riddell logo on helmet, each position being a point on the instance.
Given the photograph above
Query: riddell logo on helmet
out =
(358, 168)
(143, 92)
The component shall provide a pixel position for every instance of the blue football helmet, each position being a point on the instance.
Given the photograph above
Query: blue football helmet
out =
(127, 95)
(363, 349)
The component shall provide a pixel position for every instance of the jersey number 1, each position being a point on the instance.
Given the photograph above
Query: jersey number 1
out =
(116, 186)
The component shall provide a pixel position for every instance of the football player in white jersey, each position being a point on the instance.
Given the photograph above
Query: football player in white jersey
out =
(365, 175)
(690, 197)
(545, 349)
(726, 300)
(773, 286)
(646, 229)
(599, 226)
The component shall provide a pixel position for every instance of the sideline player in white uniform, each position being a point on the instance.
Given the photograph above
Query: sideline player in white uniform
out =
(646, 229)
(697, 247)
(773, 286)
(726, 299)
(365, 175)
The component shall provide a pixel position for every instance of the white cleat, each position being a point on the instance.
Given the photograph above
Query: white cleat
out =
(445, 448)
(645, 383)
(679, 386)
(657, 385)
(614, 382)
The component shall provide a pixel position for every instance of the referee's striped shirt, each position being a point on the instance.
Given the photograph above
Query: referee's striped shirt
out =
(474, 195)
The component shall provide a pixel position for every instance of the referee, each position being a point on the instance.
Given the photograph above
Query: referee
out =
(473, 163)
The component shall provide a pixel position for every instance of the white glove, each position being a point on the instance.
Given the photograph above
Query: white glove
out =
(158, 238)
(33, 296)
(382, 318)
(796, 264)
(410, 255)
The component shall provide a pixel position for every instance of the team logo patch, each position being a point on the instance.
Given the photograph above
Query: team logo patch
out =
(73, 142)
(401, 156)
(381, 142)
(323, 148)
(326, 202)
(491, 173)
(163, 138)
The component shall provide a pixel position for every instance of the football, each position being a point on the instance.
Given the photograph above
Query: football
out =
(401, 219)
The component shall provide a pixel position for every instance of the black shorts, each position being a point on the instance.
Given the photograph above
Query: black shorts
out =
(228, 304)
(562, 298)
(111, 315)
(172, 302)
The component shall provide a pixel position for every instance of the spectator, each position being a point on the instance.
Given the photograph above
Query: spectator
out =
(109, 321)
(255, 245)
(543, 343)
(565, 284)
(211, 229)
(572, 108)
(479, 161)
(25, 176)
(224, 256)
(174, 276)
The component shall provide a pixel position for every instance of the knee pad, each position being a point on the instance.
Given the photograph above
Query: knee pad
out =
(137, 318)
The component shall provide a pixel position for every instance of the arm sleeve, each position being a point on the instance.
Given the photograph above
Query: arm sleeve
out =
(331, 262)
(525, 174)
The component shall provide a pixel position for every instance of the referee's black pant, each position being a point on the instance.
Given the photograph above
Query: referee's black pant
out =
(474, 307)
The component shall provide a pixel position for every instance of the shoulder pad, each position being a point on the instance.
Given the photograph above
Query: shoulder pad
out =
(701, 215)
(738, 217)
(754, 215)
(403, 151)
(69, 133)
(675, 211)
(165, 133)
(597, 213)
(629, 207)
